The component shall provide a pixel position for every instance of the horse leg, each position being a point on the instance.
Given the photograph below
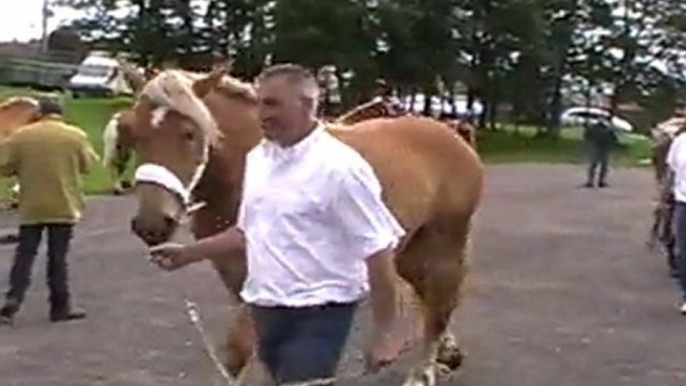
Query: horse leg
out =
(440, 257)
(126, 154)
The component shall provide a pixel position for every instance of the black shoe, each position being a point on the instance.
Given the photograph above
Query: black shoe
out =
(67, 316)
(7, 313)
(602, 185)
(588, 185)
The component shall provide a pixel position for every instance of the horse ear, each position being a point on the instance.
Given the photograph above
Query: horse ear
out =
(135, 79)
(205, 85)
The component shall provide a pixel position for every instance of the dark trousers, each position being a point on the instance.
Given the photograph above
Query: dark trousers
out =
(680, 214)
(598, 162)
(300, 344)
(59, 238)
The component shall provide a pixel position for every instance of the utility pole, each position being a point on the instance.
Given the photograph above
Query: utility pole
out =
(45, 15)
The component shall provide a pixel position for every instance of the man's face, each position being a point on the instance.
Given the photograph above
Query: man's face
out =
(283, 110)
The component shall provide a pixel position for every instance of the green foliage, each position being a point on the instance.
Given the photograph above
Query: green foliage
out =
(520, 53)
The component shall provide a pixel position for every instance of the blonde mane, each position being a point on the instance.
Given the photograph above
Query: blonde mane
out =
(173, 89)
(10, 102)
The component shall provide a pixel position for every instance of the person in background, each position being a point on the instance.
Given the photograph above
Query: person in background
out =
(47, 157)
(385, 94)
(600, 139)
(310, 261)
(676, 161)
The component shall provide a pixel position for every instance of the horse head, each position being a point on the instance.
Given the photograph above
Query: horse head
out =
(17, 112)
(176, 127)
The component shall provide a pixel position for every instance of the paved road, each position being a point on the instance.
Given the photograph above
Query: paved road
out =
(563, 292)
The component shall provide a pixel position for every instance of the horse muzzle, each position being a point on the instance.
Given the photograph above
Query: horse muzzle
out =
(154, 230)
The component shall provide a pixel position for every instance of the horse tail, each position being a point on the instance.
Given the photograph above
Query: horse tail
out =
(110, 137)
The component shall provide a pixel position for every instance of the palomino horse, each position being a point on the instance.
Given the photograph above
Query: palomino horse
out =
(662, 229)
(192, 135)
(117, 137)
(15, 113)
(118, 149)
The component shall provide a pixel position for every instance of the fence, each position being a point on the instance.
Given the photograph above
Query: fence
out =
(42, 71)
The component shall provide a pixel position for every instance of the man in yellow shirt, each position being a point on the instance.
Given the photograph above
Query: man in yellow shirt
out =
(48, 158)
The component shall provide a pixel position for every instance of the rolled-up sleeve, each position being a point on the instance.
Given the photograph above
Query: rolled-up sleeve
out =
(367, 222)
(672, 153)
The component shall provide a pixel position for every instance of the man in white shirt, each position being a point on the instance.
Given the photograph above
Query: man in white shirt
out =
(676, 160)
(317, 236)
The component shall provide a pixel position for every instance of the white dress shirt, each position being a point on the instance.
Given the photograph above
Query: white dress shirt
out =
(676, 159)
(311, 214)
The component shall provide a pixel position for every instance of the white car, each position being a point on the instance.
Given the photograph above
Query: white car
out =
(579, 116)
(101, 75)
(439, 106)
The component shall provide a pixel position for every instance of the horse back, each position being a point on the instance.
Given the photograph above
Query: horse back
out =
(425, 168)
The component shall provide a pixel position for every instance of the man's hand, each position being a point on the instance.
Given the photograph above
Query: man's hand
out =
(172, 256)
(384, 348)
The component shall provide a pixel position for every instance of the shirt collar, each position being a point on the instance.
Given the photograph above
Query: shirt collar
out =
(274, 150)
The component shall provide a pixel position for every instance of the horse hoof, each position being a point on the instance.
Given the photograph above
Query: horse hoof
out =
(126, 185)
(442, 370)
(118, 192)
(450, 355)
(423, 377)
(9, 238)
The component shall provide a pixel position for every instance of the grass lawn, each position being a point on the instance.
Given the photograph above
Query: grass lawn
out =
(503, 146)
(520, 145)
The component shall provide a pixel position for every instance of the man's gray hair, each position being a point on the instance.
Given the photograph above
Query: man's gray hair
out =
(47, 106)
(295, 74)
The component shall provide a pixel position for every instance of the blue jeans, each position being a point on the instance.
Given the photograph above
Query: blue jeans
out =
(680, 214)
(59, 239)
(300, 344)
(598, 160)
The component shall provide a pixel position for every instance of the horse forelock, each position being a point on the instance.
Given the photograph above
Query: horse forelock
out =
(173, 90)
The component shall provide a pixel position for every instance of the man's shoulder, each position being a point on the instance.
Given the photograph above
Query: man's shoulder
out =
(343, 158)
(74, 130)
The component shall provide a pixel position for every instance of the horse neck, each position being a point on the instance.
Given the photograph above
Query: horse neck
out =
(221, 185)
(12, 119)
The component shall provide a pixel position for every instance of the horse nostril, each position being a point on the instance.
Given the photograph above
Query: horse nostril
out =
(169, 223)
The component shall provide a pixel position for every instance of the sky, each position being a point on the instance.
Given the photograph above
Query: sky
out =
(21, 19)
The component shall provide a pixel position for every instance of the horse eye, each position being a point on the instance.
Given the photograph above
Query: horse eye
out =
(188, 135)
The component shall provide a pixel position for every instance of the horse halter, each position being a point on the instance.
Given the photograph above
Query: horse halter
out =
(160, 175)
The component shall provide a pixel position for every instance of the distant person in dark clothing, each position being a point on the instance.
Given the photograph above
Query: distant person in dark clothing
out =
(48, 158)
(600, 139)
